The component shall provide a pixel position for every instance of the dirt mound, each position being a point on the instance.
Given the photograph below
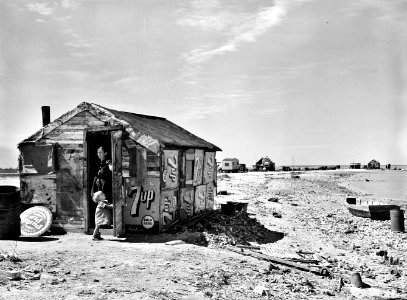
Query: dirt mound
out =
(219, 230)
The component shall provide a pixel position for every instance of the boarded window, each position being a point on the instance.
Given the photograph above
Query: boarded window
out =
(226, 164)
(189, 169)
(189, 166)
(37, 159)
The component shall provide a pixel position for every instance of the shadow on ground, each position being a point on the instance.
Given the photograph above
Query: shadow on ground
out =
(213, 229)
(37, 239)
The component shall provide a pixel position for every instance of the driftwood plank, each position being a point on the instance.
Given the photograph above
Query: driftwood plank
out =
(316, 270)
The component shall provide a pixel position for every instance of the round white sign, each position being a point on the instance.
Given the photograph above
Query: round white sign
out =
(147, 222)
(35, 221)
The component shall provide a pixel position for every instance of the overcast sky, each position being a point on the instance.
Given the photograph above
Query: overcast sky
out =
(303, 82)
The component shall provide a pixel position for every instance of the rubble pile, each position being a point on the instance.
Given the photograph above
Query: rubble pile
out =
(219, 230)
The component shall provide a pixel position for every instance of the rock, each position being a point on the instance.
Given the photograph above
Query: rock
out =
(381, 253)
(13, 275)
(47, 278)
(276, 214)
(395, 271)
(261, 290)
(328, 293)
(356, 280)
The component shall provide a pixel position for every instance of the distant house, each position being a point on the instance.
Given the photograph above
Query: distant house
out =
(355, 165)
(230, 165)
(265, 164)
(285, 168)
(373, 164)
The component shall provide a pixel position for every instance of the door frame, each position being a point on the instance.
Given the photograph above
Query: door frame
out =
(86, 167)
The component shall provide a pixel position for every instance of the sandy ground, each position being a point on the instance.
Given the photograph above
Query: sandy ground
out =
(308, 211)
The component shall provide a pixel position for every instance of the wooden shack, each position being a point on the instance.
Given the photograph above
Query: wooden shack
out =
(373, 164)
(161, 172)
(265, 164)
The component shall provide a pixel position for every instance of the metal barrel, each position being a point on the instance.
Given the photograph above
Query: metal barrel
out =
(9, 212)
(397, 220)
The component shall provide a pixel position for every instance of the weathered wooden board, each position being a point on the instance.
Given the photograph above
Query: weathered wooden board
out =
(169, 207)
(117, 182)
(125, 161)
(39, 189)
(198, 167)
(170, 174)
(190, 154)
(138, 164)
(187, 196)
(85, 117)
(200, 197)
(69, 173)
(66, 135)
(209, 167)
(142, 210)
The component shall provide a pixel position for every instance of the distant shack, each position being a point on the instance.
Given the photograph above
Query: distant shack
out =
(373, 164)
(355, 165)
(265, 164)
(230, 165)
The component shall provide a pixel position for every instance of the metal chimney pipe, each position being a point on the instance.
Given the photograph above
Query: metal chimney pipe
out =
(46, 115)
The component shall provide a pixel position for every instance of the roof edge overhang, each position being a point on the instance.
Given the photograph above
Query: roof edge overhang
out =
(105, 115)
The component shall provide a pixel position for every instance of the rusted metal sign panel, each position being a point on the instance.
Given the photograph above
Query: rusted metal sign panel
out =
(198, 167)
(210, 196)
(170, 175)
(141, 210)
(187, 196)
(209, 167)
(169, 207)
(200, 197)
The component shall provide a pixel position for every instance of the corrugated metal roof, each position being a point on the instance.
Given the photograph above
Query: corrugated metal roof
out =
(149, 131)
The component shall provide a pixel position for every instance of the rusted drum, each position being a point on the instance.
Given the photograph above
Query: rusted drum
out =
(9, 212)
(397, 220)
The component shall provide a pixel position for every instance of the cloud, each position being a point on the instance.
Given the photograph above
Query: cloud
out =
(392, 11)
(45, 9)
(237, 28)
(213, 103)
(70, 4)
(128, 82)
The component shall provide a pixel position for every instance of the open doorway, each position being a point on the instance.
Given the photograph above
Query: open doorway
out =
(95, 139)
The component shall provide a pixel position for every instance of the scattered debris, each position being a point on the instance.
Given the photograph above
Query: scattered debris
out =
(13, 275)
(276, 214)
(356, 280)
(262, 290)
(319, 270)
